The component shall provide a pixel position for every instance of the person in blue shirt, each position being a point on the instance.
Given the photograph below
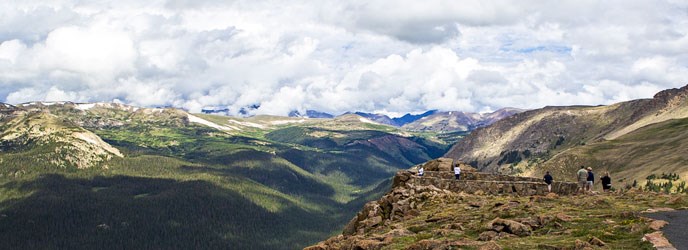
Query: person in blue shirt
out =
(548, 179)
(591, 180)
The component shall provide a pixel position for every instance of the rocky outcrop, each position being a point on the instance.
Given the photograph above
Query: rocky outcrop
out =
(410, 192)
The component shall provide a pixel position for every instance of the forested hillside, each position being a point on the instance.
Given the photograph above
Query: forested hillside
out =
(109, 175)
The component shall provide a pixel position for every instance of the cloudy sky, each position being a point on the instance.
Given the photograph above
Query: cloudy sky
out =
(388, 56)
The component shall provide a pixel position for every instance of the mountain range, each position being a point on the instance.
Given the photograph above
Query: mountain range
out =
(432, 120)
(442, 121)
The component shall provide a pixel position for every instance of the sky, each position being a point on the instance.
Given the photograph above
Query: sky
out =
(382, 56)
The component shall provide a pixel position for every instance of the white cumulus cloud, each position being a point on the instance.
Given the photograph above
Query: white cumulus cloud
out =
(335, 56)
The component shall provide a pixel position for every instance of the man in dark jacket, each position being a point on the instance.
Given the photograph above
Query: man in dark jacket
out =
(548, 179)
(606, 182)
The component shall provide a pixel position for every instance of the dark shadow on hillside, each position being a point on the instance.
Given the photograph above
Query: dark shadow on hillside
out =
(372, 195)
(148, 213)
(356, 163)
(277, 177)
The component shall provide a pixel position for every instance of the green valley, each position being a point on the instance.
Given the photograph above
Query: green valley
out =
(94, 175)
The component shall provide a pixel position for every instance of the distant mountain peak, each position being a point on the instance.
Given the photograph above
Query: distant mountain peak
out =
(409, 118)
(451, 121)
(310, 114)
(669, 93)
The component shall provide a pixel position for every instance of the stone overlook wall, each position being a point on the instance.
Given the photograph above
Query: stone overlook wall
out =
(440, 174)
(481, 183)
(409, 191)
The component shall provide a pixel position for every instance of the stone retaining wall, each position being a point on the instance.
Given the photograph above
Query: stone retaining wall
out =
(479, 176)
(483, 183)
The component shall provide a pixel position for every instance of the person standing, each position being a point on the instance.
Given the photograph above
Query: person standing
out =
(582, 177)
(421, 171)
(457, 172)
(548, 179)
(590, 181)
(606, 182)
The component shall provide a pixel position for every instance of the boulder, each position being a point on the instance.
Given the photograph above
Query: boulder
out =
(563, 217)
(582, 245)
(658, 224)
(439, 164)
(350, 227)
(659, 209)
(552, 196)
(658, 240)
(488, 236)
(400, 178)
(596, 242)
(367, 244)
(371, 222)
(428, 245)
(533, 223)
(370, 216)
(674, 201)
(509, 226)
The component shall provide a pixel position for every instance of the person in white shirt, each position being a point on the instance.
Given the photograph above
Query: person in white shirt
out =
(420, 171)
(457, 172)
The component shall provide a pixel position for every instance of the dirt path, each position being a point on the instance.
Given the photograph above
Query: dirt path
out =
(677, 230)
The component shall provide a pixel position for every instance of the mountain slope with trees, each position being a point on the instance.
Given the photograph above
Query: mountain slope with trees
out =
(106, 175)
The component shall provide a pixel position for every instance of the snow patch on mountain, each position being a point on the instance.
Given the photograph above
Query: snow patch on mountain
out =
(196, 119)
(248, 124)
(85, 106)
(364, 120)
(282, 122)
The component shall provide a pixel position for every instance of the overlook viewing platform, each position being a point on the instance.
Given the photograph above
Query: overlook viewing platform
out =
(409, 191)
(439, 173)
